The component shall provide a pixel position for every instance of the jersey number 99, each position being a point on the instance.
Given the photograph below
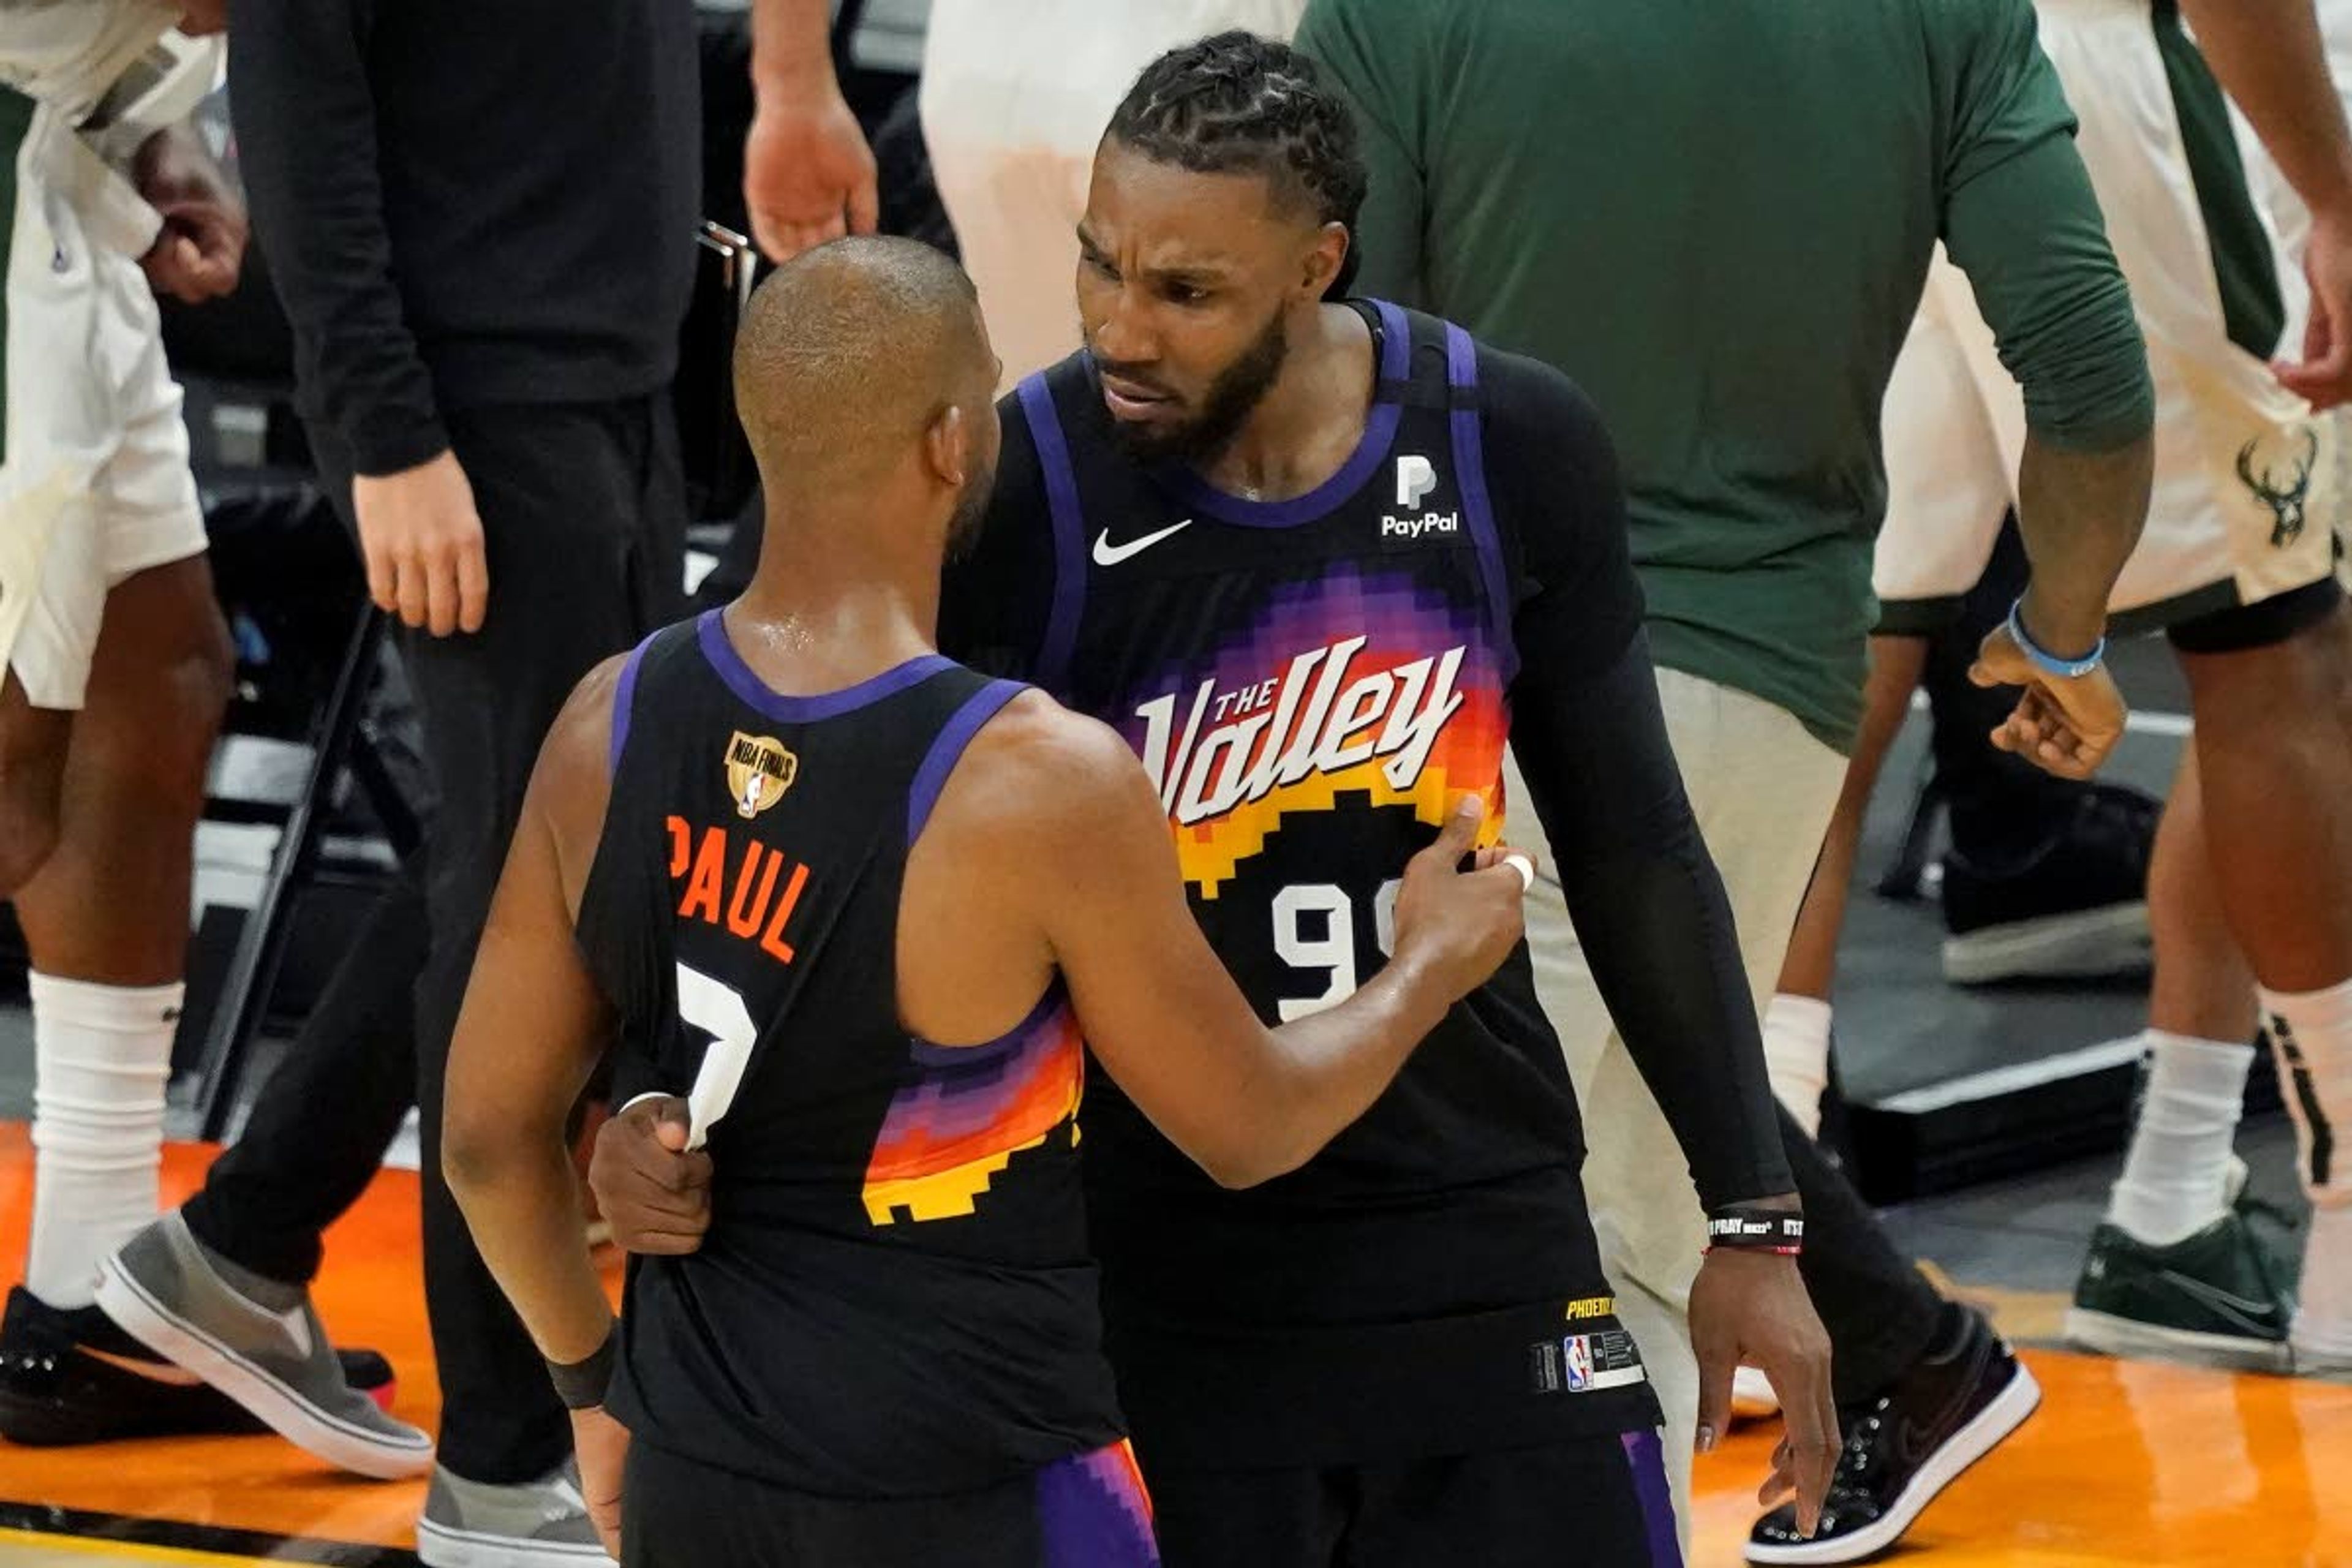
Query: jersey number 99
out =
(1333, 950)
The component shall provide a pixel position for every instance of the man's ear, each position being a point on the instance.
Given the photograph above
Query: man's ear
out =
(947, 447)
(1325, 260)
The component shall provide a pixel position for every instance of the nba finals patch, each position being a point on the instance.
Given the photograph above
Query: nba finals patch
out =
(759, 771)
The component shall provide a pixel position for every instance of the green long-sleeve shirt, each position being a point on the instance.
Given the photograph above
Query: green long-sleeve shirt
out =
(1718, 216)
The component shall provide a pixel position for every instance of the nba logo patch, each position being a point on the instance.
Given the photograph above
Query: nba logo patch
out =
(759, 771)
(1576, 1354)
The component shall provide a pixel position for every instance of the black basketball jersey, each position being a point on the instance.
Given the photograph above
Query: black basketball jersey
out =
(1311, 683)
(894, 1297)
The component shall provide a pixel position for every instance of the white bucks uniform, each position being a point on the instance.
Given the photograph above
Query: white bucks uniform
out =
(2249, 494)
(94, 482)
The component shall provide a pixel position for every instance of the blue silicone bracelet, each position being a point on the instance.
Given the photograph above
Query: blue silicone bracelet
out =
(2043, 657)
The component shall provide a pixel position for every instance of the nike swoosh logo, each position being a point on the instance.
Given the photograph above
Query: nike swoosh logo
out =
(161, 1371)
(2253, 1314)
(1109, 554)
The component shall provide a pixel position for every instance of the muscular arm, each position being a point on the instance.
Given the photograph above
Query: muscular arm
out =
(2268, 57)
(306, 126)
(1591, 739)
(531, 1030)
(1081, 844)
(2021, 219)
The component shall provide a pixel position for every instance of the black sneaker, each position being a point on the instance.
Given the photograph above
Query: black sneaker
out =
(1949, 1411)
(72, 1377)
(2075, 908)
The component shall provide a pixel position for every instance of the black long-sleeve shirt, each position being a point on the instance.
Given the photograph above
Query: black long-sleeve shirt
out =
(467, 204)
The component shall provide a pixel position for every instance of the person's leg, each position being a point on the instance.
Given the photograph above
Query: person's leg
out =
(2201, 1016)
(1514, 1508)
(267, 1202)
(2171, 1270)
(1250, 1518)
(2273, 748)
(1797, 1022)
(578, 508)
(139, 754)
(106, 921)
(1879, 1309)
(2273, 752)
(106, 607)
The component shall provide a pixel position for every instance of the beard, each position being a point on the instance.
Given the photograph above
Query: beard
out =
(970, 513)
(1231, 399)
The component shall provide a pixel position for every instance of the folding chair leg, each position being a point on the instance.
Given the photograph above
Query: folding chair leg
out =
(261, 946)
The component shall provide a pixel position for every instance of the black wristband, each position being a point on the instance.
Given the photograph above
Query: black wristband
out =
(1756, 1230)
(582, 1385)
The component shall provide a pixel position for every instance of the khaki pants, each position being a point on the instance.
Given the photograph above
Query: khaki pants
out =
(1763, 789)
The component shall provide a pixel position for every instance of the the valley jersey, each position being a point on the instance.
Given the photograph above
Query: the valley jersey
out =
(893, 1297)
(1310, 683)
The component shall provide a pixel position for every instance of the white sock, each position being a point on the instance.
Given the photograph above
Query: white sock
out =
(101, 1056)
(2311, 1031)
(1797, 1056)
(2176, 1177)
(2322, 1313)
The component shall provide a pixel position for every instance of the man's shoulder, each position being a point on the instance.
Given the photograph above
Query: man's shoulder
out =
(1037, 775)
(1531, 402)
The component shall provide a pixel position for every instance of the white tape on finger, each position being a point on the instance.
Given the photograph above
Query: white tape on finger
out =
(1525, 867)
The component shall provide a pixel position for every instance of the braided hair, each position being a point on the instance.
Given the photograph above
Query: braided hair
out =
(1238, 104)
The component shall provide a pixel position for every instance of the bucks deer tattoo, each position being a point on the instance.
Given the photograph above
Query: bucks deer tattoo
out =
(2284, 500)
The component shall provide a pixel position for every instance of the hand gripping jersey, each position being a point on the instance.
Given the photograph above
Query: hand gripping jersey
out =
(1310, 683)
(893, 1297)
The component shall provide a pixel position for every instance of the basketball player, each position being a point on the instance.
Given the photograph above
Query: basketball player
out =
(1305, 555)
(1755, 190)
(888, 1351)
(117, 671)
(2239, 570)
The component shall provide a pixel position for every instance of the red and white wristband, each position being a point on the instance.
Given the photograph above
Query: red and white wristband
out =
(1756, 1230)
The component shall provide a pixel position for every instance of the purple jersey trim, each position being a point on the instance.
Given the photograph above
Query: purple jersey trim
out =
(1469, 460)
(1069, 519)
(624, 696)
(1396, 341)
(947, 747)
(711, 632)
(1646, 1458)
(1093, 1512)
(928, 1054)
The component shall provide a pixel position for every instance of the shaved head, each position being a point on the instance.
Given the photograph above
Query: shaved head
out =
(850, 357)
